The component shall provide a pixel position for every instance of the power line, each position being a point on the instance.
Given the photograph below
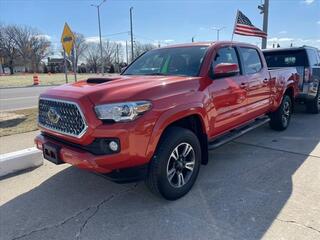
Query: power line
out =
(114, 34)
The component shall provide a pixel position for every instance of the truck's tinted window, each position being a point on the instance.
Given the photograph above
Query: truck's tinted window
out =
(169, 61)
(251, 60)
(313, 57)
(288, 58)
(225, 55)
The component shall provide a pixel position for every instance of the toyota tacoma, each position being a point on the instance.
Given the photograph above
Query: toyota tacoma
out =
(157, 121)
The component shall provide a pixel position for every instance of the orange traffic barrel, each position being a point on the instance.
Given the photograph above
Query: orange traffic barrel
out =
(36, 80)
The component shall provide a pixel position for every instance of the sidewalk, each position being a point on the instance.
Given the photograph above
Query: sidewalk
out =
(17, 142)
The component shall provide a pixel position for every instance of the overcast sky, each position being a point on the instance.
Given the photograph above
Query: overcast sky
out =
(167, 21)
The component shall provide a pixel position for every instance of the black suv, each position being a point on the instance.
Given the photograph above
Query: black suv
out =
(307, 62)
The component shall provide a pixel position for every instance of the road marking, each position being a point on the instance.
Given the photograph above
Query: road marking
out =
(17, 98)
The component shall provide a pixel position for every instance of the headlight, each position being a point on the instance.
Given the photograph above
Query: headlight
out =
(122, 112)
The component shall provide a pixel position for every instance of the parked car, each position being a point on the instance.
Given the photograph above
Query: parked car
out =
(158, 120)
(307, 62)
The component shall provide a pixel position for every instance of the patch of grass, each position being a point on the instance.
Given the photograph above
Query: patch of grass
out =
(25, 80)
(20, 121)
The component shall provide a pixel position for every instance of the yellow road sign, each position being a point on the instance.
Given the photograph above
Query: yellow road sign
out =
(67, 39)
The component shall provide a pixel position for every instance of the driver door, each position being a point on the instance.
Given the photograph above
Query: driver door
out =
(228, 94)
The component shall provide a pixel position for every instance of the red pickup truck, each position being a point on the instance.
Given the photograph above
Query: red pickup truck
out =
(158, 119)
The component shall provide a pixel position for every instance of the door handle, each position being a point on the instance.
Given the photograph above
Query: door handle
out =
(266, 80)
(243, 85)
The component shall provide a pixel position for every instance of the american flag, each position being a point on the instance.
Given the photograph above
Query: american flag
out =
(243, 26)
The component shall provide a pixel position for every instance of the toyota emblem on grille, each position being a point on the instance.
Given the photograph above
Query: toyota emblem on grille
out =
(53, 115)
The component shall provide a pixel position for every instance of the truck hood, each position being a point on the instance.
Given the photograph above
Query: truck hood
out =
(126, 88)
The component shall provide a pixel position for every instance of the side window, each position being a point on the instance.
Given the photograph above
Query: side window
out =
(225, 55)
(251, 60)
(313, 58)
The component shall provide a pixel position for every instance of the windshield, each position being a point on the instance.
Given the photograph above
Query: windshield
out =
(169, 61)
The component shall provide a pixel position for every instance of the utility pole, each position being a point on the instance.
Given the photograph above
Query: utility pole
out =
(127, 52)
(131, 33)
(218, 31)
(101, 55)
(117, 58)
(265, 11)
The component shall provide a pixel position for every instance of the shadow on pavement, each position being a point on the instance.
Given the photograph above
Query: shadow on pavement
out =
(238, 195)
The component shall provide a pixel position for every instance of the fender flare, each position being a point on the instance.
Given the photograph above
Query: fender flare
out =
(172, 115)
(286, 86)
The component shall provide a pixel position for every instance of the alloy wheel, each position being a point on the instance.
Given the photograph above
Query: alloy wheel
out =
(286, 113)
(180, 165)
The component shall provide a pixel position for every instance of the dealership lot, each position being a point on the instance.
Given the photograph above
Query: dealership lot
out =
(263, 185)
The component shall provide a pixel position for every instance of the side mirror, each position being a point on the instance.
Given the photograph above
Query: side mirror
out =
(225, 70)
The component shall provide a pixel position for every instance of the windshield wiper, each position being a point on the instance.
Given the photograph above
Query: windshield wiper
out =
(155, 74)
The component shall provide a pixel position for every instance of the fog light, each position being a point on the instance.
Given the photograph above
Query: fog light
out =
(113, 146)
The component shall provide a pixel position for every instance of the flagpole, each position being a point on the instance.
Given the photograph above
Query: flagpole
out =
(234, 27)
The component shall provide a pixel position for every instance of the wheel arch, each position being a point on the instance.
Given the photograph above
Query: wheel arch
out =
(290, 91)
(192, 118)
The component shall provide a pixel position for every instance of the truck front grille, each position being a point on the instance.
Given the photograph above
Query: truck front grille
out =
(61, 116)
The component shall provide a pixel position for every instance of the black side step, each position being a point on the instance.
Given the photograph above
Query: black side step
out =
(238, 132)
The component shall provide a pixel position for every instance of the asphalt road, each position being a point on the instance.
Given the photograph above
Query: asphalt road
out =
(264, 185)
(20, 98)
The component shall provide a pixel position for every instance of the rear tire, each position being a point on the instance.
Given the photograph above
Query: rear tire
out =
(280, 119)
(314, 105)
(175, 166)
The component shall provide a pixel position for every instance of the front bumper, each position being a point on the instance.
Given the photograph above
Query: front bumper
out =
(116, 166)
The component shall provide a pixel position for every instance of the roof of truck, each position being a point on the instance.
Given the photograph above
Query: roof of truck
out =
(289, 49)
(207, 44)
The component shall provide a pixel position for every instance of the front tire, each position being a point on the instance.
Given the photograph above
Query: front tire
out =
(280, 119)
(175, 166)
(314, 105)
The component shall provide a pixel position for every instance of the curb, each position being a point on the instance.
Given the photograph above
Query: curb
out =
(20, 160)
(31, 86)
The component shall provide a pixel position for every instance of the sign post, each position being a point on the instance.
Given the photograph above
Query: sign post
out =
(74, 63)
(68, 40)
(65, 65)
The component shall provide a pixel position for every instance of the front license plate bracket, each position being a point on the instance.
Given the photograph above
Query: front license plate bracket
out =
(51, 152)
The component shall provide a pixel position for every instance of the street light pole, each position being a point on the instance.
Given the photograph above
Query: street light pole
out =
(218, 31)
(101, 55)
(131, 33)
(265, 11)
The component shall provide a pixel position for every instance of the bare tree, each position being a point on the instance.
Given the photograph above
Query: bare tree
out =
(23, 45)
(112, 55)
(8, 46)
(109, 52)
(39, 49)
(140, 48)
(80, 47)
(92, 56)
(22, 36)
(32, 46)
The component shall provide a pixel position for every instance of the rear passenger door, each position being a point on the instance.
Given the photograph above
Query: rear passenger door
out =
(258, 80)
